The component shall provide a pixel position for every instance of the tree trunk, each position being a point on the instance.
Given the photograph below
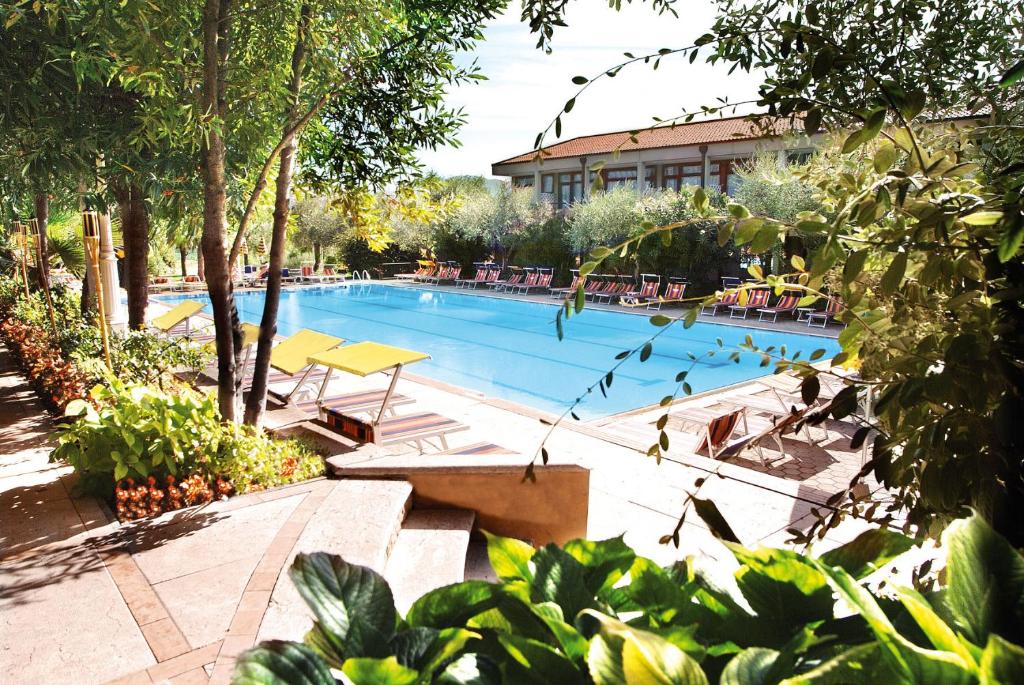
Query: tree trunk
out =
(216, 30)
(257, 402)
(42, 202)
(317, 250)
(201, 264)
(131, 205)
(183, 253)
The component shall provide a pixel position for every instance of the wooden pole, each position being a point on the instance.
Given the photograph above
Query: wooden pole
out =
(91, 235)
(23, 240)
(33, 225)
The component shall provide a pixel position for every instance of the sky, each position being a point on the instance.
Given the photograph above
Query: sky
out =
(527, 88)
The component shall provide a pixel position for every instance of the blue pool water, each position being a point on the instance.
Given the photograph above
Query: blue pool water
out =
(509, 349)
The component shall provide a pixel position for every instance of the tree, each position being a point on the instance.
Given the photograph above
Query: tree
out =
(318, 226)
(768, 189)
(494, 218)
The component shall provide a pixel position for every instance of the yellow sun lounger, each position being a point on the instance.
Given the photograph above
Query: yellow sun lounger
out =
(292, 355)
(363, 359)
(181, 313)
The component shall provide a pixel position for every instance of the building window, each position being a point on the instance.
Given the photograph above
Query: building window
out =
(547, 184)
(651, 177)
(522, 181)
(723, 175)
(570, 188)
(675, 176)
(798, 157)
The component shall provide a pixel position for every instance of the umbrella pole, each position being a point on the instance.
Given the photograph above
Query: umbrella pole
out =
(90, 225)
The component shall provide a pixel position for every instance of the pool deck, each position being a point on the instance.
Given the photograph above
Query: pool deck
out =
(173, 600)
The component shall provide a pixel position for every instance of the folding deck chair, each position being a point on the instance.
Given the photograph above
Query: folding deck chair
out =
(674, 292)
(831, 313)
(727, 300)
(571, 290)
(756, 299)
(786, 305)
(364, 359)
(178, 316)
(290, 357)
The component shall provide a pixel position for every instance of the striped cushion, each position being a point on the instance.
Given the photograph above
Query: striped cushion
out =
(370, 399)
(720, 429)
(479, 448)
(393, 429)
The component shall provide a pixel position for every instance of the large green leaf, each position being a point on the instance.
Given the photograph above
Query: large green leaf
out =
(353, 604)
(651, 589)
(560, 578)
(620, 654)
(935, 629)
(860, 664)
(537, 662)
(510, 558)
(568, 638)
(910, 663)
(868, 551)
(426, 649)
(605, 561)
(750, 667)
(783, 588)
(1002, 663)
(281, 663)
(453, 606)
(366, 671)
(986, 580)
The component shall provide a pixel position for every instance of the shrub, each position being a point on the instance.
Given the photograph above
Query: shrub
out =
(128, 430)
(595, 612)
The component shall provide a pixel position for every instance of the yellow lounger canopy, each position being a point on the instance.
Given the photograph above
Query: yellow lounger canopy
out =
(175, 316)
(365, 358)
(292, 354)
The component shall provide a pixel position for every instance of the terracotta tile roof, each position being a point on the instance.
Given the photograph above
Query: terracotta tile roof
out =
(693, 133)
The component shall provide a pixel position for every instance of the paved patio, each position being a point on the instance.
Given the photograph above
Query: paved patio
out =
(175, 599)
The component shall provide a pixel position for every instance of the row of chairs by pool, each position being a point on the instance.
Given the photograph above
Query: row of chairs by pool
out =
(650, 291)
(252, 276)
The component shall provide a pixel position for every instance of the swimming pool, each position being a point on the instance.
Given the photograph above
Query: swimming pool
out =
(509, 349)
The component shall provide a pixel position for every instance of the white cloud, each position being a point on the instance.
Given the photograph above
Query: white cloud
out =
(527, 88)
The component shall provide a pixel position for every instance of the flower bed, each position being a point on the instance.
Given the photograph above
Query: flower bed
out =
(56, 380)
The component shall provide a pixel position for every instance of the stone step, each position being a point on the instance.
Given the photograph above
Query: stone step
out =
(359, 520)
(430, 553)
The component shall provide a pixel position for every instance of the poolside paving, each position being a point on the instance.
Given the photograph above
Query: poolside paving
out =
(175, 599)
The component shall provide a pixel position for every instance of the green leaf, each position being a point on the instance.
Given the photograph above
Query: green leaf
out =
(604, 561)
(913, 664)
(387, 671)
(709, 513)
(76, 407)
(782, 587)
(986, 580)
(893, 276)
(645, 351)
(560, 578)
(281, 663)
(1012, 75)
(854, 266)
(983, 218)
(426, 649)
(868, 551)
(860, 664)
(869, 132)
(580, 80)
(352, 604)
(765, 239)
(510, 558)
(935, 629)
(453, 606)
(622, 655)
(1011, 243)
(660, 320)
(885, 156)
(752, 666)
(541, 662)
(1002, 663)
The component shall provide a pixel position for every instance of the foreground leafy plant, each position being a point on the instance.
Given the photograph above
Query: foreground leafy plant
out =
(597, 612)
